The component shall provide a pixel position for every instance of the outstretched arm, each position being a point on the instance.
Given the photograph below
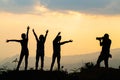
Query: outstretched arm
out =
(61, 43)
(13, 40)
(35, 34)
(46, 34)
(27, 32)
(101, 43)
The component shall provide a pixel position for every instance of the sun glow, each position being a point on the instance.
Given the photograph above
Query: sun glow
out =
(81, 28)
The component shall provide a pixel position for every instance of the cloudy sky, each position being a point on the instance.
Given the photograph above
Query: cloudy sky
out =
(80, 20)
(108, 7)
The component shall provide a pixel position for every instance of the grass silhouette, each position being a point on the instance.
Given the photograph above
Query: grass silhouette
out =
(92, 74)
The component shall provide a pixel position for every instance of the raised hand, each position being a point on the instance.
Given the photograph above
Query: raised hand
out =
(47, 31)
(7, 40)
(59, 33)
(28, 27)
(33, 30)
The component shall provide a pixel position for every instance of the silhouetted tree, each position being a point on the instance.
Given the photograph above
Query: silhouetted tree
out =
(15, 61)
(87, 66)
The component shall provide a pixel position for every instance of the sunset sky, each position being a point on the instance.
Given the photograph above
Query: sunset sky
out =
(79, 20)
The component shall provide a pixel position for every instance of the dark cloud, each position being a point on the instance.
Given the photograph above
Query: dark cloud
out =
(17, 6)
(74, 4)
(108, 7)
(85, 6)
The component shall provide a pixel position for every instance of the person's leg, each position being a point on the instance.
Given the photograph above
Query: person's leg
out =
(26, 61)
(106, 62)
(37, 61)
(100, 59)
(53, 61)
(42, 62)
(20, 60)
(58, 62)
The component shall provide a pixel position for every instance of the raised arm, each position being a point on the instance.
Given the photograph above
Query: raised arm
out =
(27, 32)
(13, 40)
(35, 34)
(57, 35)
(61, 43)
(46, 34)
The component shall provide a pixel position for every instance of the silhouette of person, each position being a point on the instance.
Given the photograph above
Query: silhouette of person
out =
(40, 49)
(105, 42)
(24, 48)
(56, 50)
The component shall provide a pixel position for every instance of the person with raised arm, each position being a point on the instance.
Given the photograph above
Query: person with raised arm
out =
(40, 49)
(24, 48)
(57, 49)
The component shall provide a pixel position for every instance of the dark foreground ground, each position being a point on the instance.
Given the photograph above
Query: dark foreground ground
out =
(90, 74)
(33, 75)
(96, 74)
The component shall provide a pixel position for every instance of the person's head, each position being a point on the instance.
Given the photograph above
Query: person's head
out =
(59, 38)
(23, 35)
(106, 36)
(41, 37)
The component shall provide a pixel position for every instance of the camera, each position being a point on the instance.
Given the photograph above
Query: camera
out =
(99, 38)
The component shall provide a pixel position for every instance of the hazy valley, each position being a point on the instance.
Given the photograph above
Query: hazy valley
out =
(69, 62)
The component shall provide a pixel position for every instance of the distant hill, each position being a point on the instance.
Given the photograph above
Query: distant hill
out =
(69, 62)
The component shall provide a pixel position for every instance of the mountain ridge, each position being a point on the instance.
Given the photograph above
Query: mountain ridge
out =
(69, 62)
